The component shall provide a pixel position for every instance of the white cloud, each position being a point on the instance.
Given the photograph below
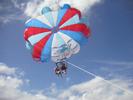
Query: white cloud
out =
(11, 10)
(95, 89)
(81, 4)
(10, 86)
(6, 70)
(15, 3)
(34, 7)
(15, 10)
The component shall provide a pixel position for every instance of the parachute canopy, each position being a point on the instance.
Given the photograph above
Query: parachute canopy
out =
(45, 10)
(55, 35)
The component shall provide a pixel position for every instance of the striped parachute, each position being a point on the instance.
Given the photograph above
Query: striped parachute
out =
(55, 35)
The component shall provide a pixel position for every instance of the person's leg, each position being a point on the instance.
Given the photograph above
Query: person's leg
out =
(61, 74)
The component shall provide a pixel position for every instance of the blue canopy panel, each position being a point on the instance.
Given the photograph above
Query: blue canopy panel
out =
(36, 23)
(46, 52)
(77, 36)
(50, 17)
(61, 13)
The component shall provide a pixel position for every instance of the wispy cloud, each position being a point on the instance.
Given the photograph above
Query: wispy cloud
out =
(11, 10)
(115, 68)
(89, 90)
(17, 4)
(15, 10)
(11, 17)
(124, 63)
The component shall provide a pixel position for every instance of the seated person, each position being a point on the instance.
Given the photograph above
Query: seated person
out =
(61, 68)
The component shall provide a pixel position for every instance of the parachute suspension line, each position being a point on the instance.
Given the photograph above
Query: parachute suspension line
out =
(94, 75)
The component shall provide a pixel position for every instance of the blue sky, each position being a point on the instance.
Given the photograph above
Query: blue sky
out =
(108, 53)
